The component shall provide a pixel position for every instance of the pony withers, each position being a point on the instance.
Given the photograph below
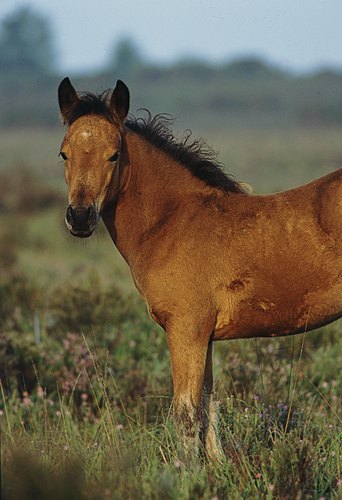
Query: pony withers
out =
(211, 261)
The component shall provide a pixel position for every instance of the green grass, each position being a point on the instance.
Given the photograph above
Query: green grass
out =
(86, 393)
(274, 160)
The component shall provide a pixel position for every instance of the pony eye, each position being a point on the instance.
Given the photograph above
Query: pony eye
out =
(114, 157)
(63, 155)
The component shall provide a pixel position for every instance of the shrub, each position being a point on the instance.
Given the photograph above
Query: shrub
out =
(19, 298)
(21, 191)
(88, 307)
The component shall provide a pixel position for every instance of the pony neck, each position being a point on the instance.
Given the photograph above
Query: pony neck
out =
(155, 185)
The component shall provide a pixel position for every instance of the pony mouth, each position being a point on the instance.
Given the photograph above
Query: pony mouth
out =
(82, 234)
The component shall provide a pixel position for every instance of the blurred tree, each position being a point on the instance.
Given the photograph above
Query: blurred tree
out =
(194, 67)
(26, 44)
(126, 58)
(252, 67)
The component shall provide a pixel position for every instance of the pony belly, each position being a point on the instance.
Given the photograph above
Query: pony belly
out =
(229, 332)
(248, 329)
(263, 318)
(246, 321)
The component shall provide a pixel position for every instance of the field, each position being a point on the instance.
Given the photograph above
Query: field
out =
(86, 392)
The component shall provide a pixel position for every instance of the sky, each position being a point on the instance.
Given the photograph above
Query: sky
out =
(301, 35)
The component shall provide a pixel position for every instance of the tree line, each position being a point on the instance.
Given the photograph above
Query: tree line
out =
(247, 92)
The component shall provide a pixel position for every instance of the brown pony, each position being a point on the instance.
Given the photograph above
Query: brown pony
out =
(212, 261)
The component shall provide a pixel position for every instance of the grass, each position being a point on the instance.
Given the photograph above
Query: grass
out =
(86, 394)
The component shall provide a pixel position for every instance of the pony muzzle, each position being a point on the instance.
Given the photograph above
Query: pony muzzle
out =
(81, 221)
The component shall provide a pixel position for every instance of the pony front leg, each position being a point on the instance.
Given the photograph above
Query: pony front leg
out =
(188, 359)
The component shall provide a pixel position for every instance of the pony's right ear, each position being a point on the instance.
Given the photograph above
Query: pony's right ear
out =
(67, 98)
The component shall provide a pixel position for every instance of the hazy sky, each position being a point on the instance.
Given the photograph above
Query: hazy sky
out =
(300, 34)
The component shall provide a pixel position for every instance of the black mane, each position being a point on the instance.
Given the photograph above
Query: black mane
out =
(91, 104)
(194, 155)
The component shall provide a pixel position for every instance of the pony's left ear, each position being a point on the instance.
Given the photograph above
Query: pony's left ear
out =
(119, 102)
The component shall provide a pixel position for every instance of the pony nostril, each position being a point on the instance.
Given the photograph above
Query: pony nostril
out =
(69, 215)
(92, 215)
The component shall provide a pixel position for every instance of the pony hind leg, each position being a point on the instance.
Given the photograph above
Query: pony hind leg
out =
(209, 430)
